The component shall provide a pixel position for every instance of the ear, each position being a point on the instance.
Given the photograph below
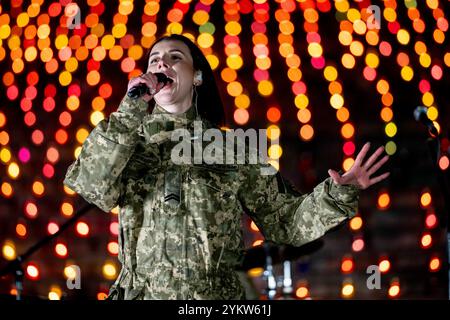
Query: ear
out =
(198, 78)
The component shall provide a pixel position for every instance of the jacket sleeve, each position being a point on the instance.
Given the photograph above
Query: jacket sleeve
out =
(284, 216)
(96, 173)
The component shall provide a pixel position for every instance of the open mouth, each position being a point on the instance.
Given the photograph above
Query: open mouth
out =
(169, 82)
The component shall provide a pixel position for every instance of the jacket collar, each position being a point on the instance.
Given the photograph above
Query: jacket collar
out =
(158, 126)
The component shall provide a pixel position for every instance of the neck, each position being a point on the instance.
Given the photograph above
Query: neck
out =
(178, 107)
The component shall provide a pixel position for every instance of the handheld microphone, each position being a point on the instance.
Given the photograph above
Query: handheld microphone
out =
(141, 89)
(420, 114)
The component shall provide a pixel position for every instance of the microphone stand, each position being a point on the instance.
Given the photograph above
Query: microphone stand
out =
(434, 148)
(15, 266)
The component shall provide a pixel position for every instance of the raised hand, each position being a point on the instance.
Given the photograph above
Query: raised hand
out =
(359, 174)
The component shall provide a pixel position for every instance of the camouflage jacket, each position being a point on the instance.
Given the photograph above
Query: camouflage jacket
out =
(180, 231)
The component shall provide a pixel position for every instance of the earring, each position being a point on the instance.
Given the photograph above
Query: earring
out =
(198, 78)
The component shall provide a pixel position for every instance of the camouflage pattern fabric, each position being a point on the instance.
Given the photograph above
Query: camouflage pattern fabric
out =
(180, 231)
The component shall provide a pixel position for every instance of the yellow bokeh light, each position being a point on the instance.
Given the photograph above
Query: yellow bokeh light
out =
(425, 199)
(336, 101)
(359, 26)
(96, 117)
(353, 14)
(330, 73)
(52, 295)
(425, 60)
(5, 31)
(70, 272)
(126, 7)
(9, 250)
(372, 60)
(403, 36)
(119, 30)
(205, 40)
(22, 19)
(265, 87)
(43, 31)
(255, 272)
(200, 17)
(342, 5)
(242, 101)
(348, 61)
(233, 28)
(348, 163)
(390, 14)
(109, 271)
(71, 64)
(347, 290)
(38, 188)
(234, 62)
(213, 61)
(77, 152)
(72, 103)
(390, 148)
(13, 170)
(263, 63)
(301, 101)
(357, 48)
(234, 88)
(5, 155)
(394, 291)
(345, 38)
(432, 113)
(61, 41)
(356, 223)
(275, 151)
(391, 129)
(175, 28)
(407, 73)
(65, 78)
(428, 99)
(273, 132)
(315, 50)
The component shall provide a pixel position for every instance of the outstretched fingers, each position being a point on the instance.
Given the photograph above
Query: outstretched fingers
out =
(379, 178)
(377, 165)
(362, 154)
(335, 176)
(374, 157)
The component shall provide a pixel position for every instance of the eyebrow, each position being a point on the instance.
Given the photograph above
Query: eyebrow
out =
(173, 50)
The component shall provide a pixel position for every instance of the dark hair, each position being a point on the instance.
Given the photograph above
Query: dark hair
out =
(209, 103)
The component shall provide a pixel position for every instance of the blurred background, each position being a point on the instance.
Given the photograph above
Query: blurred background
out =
(324, 76)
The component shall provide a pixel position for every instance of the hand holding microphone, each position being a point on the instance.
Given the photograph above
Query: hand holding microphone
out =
(146, 85)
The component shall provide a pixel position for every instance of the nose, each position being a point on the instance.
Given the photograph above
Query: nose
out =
(162, 64)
